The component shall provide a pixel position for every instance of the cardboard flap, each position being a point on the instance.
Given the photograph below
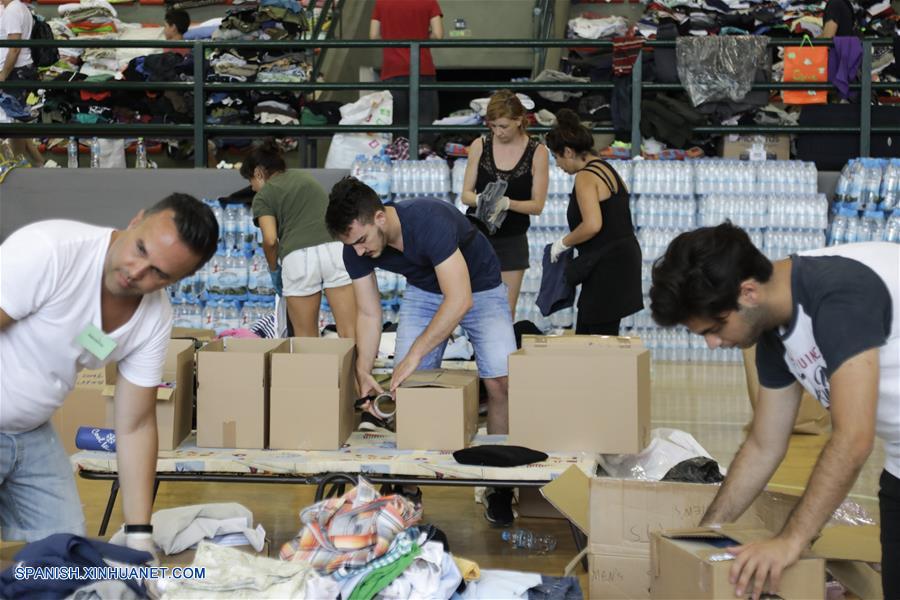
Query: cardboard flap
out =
(858, 577)
(849, 542)
(570, 494)
(438, 378)
(741, 535)
(580, 341)
(162, 393)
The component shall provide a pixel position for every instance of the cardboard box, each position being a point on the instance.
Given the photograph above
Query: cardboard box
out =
(619, 517)
(692, 563)
(174, 400)
(580, 394)
(312, 394)
(84, 406)
(533, 505)
(777, 147)
(233, 393)
(202, 335)
(437, 410)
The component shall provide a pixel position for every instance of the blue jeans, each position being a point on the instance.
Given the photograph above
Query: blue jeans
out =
(488, 324)
(38, 496)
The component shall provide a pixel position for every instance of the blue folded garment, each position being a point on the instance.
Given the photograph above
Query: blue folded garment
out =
(555, 293)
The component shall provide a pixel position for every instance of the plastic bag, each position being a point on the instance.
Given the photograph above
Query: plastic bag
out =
(695, 470)
(805, 63)
(345, 147)
(372, 109)
(667, 448)
(720, 67)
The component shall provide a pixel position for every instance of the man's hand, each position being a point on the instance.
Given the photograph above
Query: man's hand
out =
(403, 370)
(756, 561)
(367, 385)
(557, 248)
(144, 543)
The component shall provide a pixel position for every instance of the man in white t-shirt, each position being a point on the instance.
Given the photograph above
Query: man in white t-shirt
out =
(75, 296)
(827, 320)
(16, 64)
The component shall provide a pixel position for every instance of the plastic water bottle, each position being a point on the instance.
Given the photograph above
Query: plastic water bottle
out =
(95, 152)
(852, 234)
(871, 228)
(72, 149)
(140, 156)
(232, 227)
(525, 539)
(892, 229)
(871, 184)
(889, 194)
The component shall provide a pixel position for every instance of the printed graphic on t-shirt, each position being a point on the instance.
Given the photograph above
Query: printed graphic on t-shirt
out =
(805, 360)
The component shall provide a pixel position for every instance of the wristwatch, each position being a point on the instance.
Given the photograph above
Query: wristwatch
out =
(146, 528)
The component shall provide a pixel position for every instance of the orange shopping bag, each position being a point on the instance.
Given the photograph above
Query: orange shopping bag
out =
(805, 63)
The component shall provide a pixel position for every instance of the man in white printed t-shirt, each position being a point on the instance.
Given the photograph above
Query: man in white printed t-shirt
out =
(827, 320)
(75, 296)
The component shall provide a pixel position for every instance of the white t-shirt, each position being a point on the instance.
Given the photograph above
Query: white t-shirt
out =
(51, 275)
(16, 18)
(846, 301)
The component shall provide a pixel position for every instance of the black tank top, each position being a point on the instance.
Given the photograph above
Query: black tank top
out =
(615, 211)
(518, 181)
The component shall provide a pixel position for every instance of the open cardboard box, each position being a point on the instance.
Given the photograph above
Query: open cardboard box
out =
(312, 393)
(84, 406)
(233, 393)
(437, 409)
(174, 400)
(619, 517)
(597, 388)
(693, 563)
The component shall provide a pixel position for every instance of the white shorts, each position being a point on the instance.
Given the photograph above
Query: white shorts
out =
(307, 271)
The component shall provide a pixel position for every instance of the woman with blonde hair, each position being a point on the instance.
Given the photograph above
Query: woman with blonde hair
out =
(508, 153)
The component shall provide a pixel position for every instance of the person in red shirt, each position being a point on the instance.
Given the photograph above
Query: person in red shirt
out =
(408, 20)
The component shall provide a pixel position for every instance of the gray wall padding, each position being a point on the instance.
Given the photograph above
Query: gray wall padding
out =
(111, 197)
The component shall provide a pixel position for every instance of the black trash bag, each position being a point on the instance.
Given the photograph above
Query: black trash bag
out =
(695, 470)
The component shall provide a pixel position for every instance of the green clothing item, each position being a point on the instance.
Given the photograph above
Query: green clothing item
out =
(298, 203)
(379, 579)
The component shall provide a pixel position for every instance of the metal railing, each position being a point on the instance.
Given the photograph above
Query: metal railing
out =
(200, 131)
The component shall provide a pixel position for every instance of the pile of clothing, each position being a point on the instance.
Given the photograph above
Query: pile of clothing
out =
(267, 20)
(89, 18)
(756, 17)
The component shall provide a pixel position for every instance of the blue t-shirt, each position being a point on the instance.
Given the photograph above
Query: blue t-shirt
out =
(432, 231)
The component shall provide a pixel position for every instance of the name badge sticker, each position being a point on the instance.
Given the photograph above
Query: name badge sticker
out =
(96, 342)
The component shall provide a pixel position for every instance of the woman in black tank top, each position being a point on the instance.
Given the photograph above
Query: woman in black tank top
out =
(508, 153)
(608, 265)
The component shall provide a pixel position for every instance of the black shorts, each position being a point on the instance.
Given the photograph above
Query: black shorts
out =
(512, 251)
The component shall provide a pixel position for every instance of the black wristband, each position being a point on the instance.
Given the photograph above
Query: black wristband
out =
(138, 529)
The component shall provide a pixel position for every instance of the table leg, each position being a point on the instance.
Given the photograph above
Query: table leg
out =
(113, 492)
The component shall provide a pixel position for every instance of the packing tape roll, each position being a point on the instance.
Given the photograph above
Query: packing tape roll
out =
(379, 401)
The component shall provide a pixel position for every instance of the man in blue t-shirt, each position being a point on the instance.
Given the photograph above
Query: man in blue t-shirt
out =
(825, 320)
(453, 278)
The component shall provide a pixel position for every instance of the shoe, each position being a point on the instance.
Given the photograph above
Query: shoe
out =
(369, 422)
(498, 508)
(413, 496)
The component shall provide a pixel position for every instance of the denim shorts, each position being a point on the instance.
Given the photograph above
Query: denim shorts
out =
(38, 496)
(488, 324)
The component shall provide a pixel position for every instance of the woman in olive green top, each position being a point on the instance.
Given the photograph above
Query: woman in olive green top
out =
(289, 208)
